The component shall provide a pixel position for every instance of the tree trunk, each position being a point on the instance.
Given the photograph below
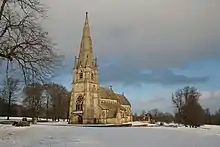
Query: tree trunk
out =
(9, 90)
(32, 116)
(2, 8)
(9, 105)
(33, 111)
(47, 115)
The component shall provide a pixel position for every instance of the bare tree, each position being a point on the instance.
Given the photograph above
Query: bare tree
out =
(67, 102)
(178, 100)
(33, 101)
(160, 116)
(59, 101)
(9, 92)
(188, 110)
(23, 41)
(135, 116)
(154, 112)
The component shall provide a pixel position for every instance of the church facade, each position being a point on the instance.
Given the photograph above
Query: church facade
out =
(90, 103)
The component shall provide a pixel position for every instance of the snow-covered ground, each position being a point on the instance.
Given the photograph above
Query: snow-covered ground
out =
(46, 135)
(2, 118)
(19, 118)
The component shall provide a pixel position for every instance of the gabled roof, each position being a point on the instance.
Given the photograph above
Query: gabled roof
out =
(123, 100)
(110, 94)
(107, 94)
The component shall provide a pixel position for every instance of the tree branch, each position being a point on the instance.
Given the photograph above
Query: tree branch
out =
(2, 8)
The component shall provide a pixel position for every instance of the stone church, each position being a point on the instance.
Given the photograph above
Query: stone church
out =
(91, 103)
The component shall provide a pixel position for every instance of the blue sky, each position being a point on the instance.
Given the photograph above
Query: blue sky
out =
(146, 96)
(146, 49)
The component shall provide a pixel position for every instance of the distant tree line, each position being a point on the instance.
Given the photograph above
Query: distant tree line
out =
(51, 101)
(157, 116)
(188, 110)
(34, 100)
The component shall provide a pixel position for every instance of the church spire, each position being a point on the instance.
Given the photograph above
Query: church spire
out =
(86, 57)
(86, 29)
(75, 63)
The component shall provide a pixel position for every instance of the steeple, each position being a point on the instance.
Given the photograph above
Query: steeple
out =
(75, 63)
(86, 58)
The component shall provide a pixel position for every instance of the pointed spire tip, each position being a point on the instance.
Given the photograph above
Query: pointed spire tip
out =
(86, 18)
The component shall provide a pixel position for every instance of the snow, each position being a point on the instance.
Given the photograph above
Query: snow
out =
(13, 118)
(19, 118)
(142, 123)
(48, 134)
(77, 112)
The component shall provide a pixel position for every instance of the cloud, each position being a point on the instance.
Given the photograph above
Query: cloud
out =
(129, 74)
(153, 33)
(162, 104)
(139, 35)
(210, 94)
(211, 99)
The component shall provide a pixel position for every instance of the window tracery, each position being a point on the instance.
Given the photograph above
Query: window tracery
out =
(79, 104)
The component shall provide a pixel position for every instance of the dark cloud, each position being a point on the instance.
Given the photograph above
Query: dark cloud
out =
(127, 73)
(138, 35)
(153, 33)
(130, 74)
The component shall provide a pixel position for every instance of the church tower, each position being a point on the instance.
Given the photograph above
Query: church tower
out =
(84, 97)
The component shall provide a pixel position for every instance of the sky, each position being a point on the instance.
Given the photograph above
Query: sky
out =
(147, 49)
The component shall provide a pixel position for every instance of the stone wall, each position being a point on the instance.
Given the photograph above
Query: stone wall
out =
(111, 121)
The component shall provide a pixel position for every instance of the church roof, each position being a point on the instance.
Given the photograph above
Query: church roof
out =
(110, 106)
(110, 94)
(123, 100)
(107, 94)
